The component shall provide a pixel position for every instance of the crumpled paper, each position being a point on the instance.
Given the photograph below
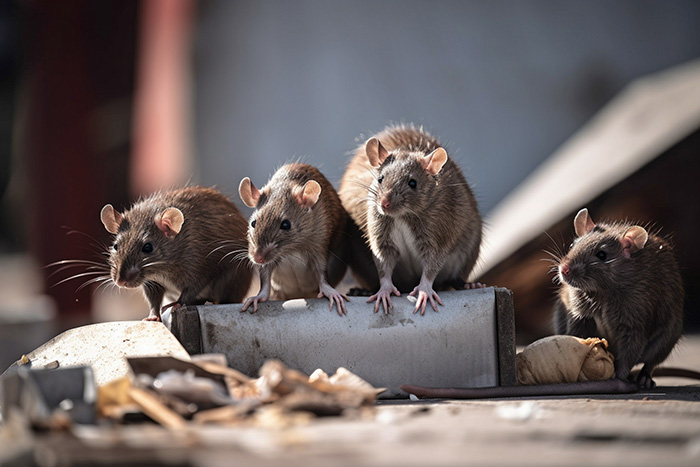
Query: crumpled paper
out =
(565, 359)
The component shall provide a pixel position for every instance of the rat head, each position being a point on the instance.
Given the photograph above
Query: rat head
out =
(141, 248)
(284, 217)
(405, 181)
(602, 256)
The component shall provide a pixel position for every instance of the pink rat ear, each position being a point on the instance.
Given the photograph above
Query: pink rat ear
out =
(170, 222)
(248, 193)
(309, 194)
(634, 240)
(433, 162)
(376, 154)
(111, 218)
(583, 223)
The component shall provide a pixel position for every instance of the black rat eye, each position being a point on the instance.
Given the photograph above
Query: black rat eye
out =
(286, 225)
(601, 255)
(147, 248)
(412, 183)
(252, 223)
(380, 179)
(116, 246)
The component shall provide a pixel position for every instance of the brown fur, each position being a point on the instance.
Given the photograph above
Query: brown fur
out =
(312, 245)
(201, 263)
(441, 213)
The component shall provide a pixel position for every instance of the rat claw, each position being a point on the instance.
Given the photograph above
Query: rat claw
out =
(334, 298)
(384, 296)
(423, 295)
(254, 300)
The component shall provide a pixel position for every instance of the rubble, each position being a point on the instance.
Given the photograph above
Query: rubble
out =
(177, 393)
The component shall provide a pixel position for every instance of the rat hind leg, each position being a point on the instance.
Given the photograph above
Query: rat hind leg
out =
(644, 380)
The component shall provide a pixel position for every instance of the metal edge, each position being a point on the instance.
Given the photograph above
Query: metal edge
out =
(187, 328)
(505, 327)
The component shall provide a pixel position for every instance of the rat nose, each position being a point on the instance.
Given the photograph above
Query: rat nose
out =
(564, 269)
(386, 202)
(128, 276)
(131, 274)
(258, 257)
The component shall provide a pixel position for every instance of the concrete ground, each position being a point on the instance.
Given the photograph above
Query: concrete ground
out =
(656, 428)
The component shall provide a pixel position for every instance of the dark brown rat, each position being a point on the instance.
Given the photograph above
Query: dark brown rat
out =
(295, 236)
(418, 215)
(186, 244)
(621, 283)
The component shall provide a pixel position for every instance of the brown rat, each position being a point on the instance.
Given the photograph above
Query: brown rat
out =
(621, 283)
(184, 243)
(417, 213)
(295, 236)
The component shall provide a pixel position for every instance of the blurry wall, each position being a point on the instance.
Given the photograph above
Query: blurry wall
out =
(503, 83)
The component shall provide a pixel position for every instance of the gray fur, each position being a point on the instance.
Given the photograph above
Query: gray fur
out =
(435, 227)
(634, 301)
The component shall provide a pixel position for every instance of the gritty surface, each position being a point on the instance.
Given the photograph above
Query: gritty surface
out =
(655, 428)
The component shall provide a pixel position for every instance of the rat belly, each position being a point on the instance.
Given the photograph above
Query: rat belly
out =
(409, 266)
(293, 278)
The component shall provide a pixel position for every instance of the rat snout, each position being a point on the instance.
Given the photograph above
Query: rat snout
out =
(261, 255)
(129, 277)
(386, 202)
(564, 269)
(258, 257)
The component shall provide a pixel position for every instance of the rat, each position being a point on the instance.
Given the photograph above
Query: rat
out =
(621, 283)
(416, 214)
(185, 243)
(296, 236)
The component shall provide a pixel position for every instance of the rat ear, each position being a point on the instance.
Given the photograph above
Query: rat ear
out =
(583, 223)
(248, 193)
(309, 194)
(634, 240)
(375, 152)
(434, 161)
(111, 218)
(170, 222)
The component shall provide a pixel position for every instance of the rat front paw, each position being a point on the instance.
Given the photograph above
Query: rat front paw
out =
(425, 294)
(155, 315)
(334, 297)
(384, 297)
(259, 298)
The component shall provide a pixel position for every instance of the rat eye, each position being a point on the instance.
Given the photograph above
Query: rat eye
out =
(286, 225)
(380, 179)
(116, 246)
(147, 248)
(601, 255)
(412, 183)
(252, 223)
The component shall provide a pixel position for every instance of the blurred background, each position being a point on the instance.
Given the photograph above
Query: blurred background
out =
(547, 105)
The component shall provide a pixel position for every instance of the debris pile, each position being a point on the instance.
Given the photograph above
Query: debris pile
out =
(177, 393)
